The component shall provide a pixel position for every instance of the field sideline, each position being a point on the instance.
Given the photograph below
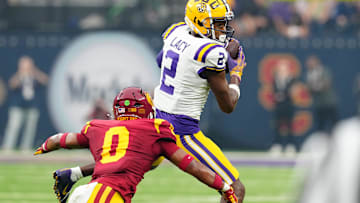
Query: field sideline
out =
(30, 181)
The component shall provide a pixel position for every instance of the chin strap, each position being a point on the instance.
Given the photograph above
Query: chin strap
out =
(222, 38)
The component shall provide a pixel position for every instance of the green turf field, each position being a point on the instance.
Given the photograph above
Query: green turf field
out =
(22, 183)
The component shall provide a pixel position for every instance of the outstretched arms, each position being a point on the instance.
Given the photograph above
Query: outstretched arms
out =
(57, 141)
(193, 167)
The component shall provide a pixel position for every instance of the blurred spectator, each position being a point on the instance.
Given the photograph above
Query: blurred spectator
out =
(287, 21)
(99, 111)
(319, 81)
(357, 92)
(23, 105)
(316, 13)
(343, 13)
(355, 18)
(284, 109)
(2, 92)
(250, 17)
(3, 14)
(296, 19)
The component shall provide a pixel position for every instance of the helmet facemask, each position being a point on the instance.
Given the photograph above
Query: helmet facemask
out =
(226, 34)
(132, 103)
(201, 17)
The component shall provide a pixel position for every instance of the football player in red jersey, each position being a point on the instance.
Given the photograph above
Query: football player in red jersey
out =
(124, 150)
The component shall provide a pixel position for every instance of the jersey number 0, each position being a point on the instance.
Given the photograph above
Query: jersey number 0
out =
(116, 142)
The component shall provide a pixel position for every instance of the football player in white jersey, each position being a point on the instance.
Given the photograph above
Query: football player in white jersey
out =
(194, 60)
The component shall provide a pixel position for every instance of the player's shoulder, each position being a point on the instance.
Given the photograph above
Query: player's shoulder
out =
(162, 122)
(92, 124)
(207, 49)
(97, 122)
(104, 124)
(153, 122)
(176, 26)
(144, 122)
(211, 55)
(165, 130)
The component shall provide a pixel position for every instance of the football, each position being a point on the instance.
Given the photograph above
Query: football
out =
(233, 48)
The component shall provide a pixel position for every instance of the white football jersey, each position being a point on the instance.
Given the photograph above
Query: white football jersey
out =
(182, 89)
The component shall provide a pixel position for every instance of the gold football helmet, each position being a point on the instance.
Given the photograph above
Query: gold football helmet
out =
(200, 16)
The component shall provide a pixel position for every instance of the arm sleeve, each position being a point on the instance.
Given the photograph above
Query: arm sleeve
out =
(168, 147)
(216, 59)
(82, 138)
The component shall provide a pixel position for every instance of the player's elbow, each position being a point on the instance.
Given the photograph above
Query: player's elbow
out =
(226, 103)
(227, 108)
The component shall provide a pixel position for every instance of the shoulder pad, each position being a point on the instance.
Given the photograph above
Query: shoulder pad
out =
(204, 51)
(213, 56)
(171, 29)
(86, 127)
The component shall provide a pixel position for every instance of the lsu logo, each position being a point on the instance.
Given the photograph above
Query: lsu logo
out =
(299, 92)
(201, 7)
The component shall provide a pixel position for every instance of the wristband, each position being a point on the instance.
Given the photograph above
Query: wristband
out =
(236, 88)
(185, 162)
(63, 140)
(217, 182)
(44, 145)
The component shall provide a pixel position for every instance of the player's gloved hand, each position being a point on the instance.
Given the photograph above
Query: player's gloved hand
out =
(230, 196)
(43, 149)
(63, 184)
(236, 66)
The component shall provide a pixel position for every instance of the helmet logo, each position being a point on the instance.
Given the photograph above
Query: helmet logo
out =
(127, 102)
(201, 7)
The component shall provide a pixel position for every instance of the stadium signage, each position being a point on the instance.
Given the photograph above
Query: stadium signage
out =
(95, 67)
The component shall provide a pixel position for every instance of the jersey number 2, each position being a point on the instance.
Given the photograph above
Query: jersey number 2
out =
(116, 142)
(171, 72)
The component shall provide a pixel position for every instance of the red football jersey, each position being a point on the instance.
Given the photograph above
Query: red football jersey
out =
(124, 150)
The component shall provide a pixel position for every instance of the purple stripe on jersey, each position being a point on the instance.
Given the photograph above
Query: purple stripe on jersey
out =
(217, 69)
(213, 157)
(207, 52)
(193, 152)
(159, 58)
(199, 50)
(172, 30)
(183, 125)
(200, 72)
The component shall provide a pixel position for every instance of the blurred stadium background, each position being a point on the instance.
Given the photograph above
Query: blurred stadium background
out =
(91, 49)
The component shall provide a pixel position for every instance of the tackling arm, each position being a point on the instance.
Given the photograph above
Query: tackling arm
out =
(185, 162)
(193, 167)
(60, 140)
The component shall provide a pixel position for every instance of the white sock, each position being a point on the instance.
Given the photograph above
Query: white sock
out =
(76, 174)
